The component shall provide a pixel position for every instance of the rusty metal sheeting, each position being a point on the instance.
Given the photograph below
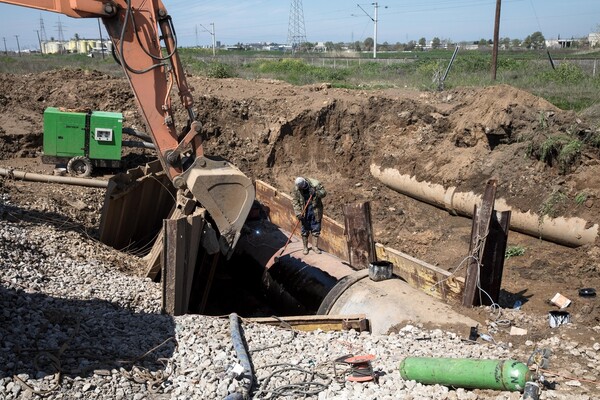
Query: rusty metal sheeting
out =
(482, 219)
(181, 244)
(280, 211)
(493, 257)
(136, 202)
(358, 322)
(359, 234)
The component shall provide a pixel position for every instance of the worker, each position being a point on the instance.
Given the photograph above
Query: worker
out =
(308, 207)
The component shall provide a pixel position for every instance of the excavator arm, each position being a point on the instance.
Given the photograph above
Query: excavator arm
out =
(145, 44)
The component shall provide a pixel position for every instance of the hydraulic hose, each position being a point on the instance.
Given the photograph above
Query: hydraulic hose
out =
(242, 354)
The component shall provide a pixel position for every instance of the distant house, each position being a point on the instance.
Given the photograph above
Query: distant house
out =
(594, 39)
(320, 47)
(559, 43)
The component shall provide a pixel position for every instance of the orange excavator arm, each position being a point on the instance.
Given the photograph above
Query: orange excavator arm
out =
(139, 29)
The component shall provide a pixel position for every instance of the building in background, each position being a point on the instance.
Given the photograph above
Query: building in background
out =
(90, 47)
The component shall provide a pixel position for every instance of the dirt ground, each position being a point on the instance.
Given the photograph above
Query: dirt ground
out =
(274, 131)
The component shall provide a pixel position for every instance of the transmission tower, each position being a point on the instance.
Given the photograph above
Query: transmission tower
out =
(43, 36)
(59, 29)
(296, 30)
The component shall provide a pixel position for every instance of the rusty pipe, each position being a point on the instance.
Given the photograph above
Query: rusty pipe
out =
(572, 232)
(31, 177)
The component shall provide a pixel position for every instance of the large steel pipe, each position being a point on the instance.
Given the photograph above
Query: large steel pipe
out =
(28, 176)
(301, 284)
(571, 232)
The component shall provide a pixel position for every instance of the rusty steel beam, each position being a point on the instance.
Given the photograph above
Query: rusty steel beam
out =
(479, 236)
(181, 244)
(358, 322)
(359, 234)
(493, 258)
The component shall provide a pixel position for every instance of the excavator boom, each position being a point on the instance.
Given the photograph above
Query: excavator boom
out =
(145, 44)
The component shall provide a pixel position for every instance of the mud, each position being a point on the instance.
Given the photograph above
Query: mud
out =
(274, 131)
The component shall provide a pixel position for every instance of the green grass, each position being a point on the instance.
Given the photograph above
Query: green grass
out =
(514, 251)
(550, 206)
(581, 198)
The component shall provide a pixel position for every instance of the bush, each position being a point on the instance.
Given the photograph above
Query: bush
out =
(566, 72)
(220, 71)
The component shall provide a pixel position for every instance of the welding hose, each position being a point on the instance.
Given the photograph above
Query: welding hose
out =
(242, 354)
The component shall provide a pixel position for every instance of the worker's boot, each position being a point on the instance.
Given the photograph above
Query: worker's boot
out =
(316, 245)
(305, 243)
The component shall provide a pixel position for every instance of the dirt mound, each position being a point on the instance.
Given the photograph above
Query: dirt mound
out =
(463, 137)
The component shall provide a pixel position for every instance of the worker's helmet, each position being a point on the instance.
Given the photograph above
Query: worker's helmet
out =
(301, 183)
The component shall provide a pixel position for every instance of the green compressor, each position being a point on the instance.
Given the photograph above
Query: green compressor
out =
(83, 139)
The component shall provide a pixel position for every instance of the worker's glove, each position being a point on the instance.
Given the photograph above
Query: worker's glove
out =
(313, 192)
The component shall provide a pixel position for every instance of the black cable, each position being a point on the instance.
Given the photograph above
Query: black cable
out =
(128, 15)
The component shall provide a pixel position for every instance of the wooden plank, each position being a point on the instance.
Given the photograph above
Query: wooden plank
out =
(314, 322)
(493, 258)
(278, 206)
(481, 227)
(359, 234)
(430, 279)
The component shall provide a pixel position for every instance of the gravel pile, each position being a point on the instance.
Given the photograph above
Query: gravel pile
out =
(72, 326)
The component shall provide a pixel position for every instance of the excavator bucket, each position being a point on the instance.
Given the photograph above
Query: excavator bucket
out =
(225, 192)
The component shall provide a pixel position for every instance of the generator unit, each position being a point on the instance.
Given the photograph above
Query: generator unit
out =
(83, 139)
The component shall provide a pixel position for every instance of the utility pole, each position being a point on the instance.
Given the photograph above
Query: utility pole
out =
(101, 41)
(376, 5)
(5, 49)
(214, 39)
(375, 32)
(40, 42)
(18, 46)
(213, 36)
(496, 40)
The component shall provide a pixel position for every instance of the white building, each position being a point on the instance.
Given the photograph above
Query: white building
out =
(594, 39)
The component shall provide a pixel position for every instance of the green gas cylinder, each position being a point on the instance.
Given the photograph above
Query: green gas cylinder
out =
(509, 375)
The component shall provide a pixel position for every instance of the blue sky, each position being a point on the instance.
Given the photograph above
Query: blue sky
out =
(334, 20)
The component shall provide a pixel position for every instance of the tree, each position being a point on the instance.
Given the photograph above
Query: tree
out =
(76, 36)
(482, 42)
(410, 46)
(505, 42)
(535, 41)
(357, 46)
(368, 44)
(516, 43)
(422, 42)
(436, 42)
(329, 46)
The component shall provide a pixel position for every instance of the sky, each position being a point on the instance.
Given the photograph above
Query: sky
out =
(333, 20)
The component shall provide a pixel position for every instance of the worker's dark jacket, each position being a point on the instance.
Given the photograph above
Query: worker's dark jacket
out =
(298, 200)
